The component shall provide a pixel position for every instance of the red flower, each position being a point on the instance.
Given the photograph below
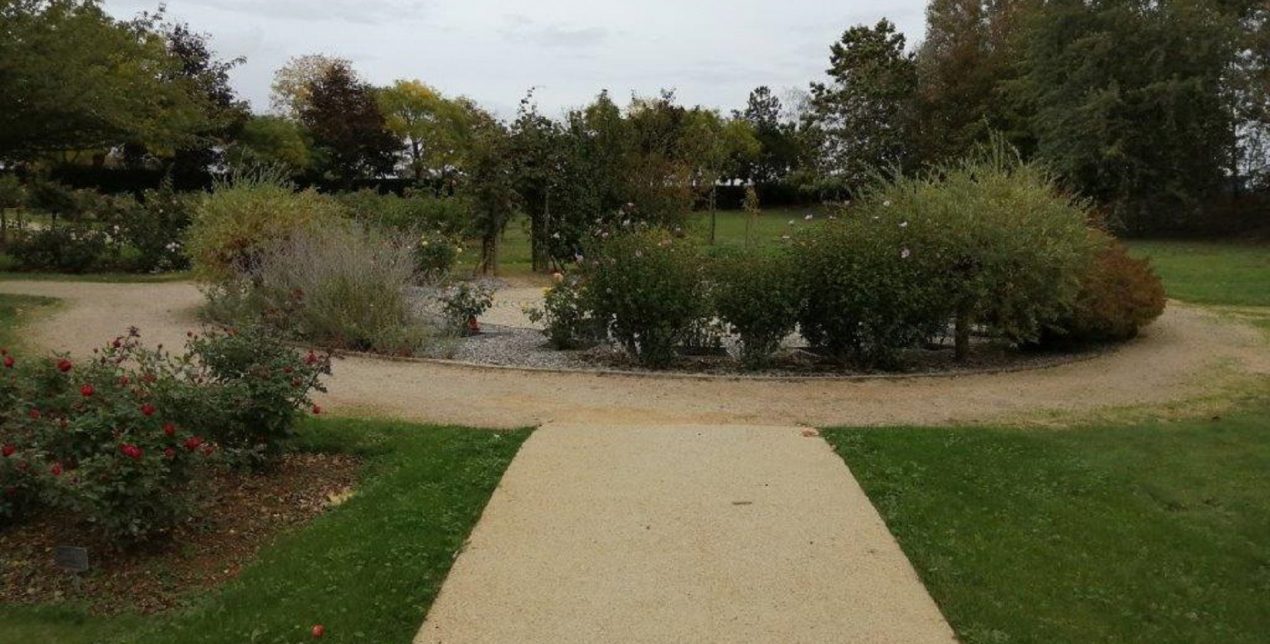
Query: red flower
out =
(117, 343)
(311, 358)
(318, 630)
(169, 453)
(87, 391)
(124, 381)
(287, 370)
(317, 409)
(169, 429)
(192, 443)
(56, 470)
(148, 410)
(8, 362)
(131, 451)
(64, 365)
(8, 449)
(34, 414)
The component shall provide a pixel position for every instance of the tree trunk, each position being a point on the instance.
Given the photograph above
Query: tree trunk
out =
(961, 336)
(713, 218)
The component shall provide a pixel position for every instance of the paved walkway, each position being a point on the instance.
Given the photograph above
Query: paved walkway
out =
(602, 533)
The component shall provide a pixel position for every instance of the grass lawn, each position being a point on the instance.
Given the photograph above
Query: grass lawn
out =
(1211, 272)
(368, 570)
(1157, 532)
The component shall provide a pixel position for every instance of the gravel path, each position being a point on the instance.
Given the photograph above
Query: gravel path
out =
(1186, 353)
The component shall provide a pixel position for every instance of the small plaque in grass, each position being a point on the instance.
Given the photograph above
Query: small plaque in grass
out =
(71, 558)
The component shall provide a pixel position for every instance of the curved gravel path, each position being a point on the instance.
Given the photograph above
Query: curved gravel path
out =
(1186, 353)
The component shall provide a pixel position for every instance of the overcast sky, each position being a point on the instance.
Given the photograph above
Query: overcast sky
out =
(711, 52)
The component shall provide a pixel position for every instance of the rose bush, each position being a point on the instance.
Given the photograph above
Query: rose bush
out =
(121, 440)
(648, 287)
(756, 294)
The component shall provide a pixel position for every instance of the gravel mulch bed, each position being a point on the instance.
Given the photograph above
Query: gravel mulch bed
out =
(242, 512)
(518, 347)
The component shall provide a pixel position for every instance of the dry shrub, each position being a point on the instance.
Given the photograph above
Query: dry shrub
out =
(1118, 295)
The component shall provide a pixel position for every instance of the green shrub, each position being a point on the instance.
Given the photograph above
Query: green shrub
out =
(566, 315)
(464, 303)
(867, 290)
(156, 228)
(436, 254)
(343, 288)
(757, 295)
(123, 440)
(449, 216)
(1118, 295)
(648, 287)
(241, 219)
(64, 248)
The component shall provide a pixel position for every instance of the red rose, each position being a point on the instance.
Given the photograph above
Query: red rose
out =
(318, 630)
(287, 370)
(8, 449)
(56, 470)
(124, 381)
(64, 365)
(169, 453)
(192, 443)
(311, 358)
(8, 361)
(34, 414)
(117, 343)
(317, 409)
(169, 429)
(87, 391)
(148, 410)
(131, 451)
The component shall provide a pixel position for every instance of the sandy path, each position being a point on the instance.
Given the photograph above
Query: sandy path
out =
(681, 534)
(1183, 354)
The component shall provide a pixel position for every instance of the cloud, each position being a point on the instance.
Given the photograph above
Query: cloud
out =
(554, 36)
(357, 11)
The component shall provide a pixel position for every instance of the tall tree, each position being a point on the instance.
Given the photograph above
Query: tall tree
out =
(226, 113)
(350, 134)
(863, 117)
(293, 82)
(73, 78)
(413, 111)
(1130, 103)
(969, 52)
(535, 145)
(777, 137)
(492, 189)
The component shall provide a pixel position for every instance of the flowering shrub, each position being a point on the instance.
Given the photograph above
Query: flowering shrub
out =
(464, 303)
(756, 294)
(1118, 295)
(647, 287)
(866, 291)
(566, 315)
(120, 440)
(155, 230)
(436, 254)
(64, 248)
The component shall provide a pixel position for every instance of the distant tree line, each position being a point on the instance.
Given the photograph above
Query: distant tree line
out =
(1158, 110)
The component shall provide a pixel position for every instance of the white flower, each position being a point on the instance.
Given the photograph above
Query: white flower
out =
(784, 236)
(886, 204)
(904, 253)
(555, 235)
(808, 217)
(791, 222)
(903, 224)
